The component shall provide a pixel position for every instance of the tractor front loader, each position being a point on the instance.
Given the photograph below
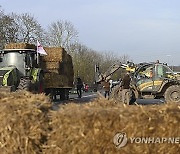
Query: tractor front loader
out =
(148, 80)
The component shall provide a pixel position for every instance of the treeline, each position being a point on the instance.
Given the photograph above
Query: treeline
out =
(26, 28)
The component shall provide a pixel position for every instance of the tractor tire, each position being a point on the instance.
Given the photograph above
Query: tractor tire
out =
(132, 98)
(24, 84)
(62, 94)
(172, 94)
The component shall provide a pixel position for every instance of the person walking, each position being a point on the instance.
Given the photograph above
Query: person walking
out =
(125, 84)
(106, 86)
(79, 86)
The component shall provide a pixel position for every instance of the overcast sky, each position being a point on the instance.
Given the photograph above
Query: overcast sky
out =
(146, 30)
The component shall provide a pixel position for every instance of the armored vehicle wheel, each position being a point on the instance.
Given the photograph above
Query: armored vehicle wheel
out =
(24, 84)
(172, 94)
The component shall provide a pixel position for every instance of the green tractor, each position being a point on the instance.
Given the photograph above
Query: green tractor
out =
(19, 70)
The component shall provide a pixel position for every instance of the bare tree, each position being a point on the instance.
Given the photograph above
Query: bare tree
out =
(29, 30)
(125, 58)
(84, 60)
(8, 29)
(62, 34)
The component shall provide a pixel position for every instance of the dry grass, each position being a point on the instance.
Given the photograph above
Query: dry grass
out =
(29, 126)
(90, 128)
(24, 122)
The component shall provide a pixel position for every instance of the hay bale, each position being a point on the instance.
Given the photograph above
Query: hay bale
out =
(24, 122)
(27, 126)
(68, 66)
(50, 65)
(54, 80)
(58, 67)
(20, 46)
(54, 54)
(56, 71)
(90, 128)
(62, 68)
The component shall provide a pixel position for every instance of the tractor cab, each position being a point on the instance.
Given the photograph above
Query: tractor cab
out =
(22, 59)
(150, 76)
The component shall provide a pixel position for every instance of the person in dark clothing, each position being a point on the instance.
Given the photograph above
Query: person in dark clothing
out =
(106, 86)
(79, 85)
(126, 88)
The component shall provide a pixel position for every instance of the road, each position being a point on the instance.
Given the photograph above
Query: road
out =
(86, 98)
(90, 96)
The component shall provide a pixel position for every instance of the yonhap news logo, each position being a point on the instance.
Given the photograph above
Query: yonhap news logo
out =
(120, 140)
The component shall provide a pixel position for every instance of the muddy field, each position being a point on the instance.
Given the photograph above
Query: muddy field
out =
(29, 125)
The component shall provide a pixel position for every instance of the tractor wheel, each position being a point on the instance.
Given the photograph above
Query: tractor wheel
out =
(24, 84)
(133, 98)
(64, 94)
(172, 94)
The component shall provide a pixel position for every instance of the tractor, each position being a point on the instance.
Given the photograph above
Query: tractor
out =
(19, 70)
(148, 80)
